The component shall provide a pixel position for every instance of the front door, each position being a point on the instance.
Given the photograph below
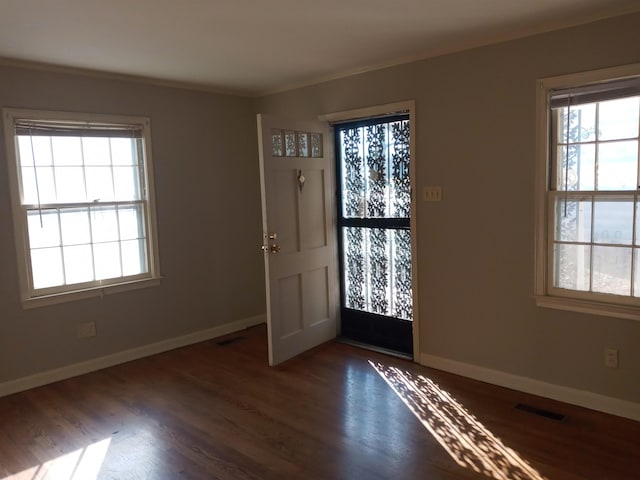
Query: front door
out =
(374, 181)
(296, 176)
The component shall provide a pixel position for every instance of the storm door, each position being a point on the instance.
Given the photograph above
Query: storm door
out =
(374, 190)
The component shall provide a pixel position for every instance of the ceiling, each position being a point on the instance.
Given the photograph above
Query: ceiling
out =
(252, 47)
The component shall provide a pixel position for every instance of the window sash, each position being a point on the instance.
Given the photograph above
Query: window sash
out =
(556, 193)
(142, 249)
(145, 258)
(633, 298)
(597, 92)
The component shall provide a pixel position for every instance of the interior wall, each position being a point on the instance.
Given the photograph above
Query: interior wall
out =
(475, 137)
(208, 211)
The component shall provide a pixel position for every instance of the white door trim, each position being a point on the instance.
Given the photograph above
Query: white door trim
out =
(383, 110)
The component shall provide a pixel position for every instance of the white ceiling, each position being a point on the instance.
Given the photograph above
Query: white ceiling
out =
(258, 46)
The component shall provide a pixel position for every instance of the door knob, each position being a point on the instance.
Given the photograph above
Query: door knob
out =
(274, 248)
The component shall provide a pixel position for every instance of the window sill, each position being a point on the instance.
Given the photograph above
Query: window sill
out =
(45, 300)
(587, 306)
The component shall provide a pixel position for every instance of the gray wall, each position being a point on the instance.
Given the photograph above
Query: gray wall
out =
(208, 206)
(475, 137)
(475, 130)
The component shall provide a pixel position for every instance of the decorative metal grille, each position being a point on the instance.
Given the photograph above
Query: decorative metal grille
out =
(377, 162)
(401, 183)
(353, 187)
(375, 191)
(354, 263)
(403, 303)
(379, 271)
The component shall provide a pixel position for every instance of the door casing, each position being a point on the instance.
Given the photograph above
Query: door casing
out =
(384, 110)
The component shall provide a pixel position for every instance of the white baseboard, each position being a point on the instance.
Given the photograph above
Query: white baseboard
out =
(55, 375)
(582, 398)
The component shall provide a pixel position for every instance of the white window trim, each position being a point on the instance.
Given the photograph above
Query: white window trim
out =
(29, 300)
(595, 304)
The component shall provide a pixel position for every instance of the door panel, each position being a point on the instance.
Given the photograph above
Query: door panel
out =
(299, 249)
(314, 228)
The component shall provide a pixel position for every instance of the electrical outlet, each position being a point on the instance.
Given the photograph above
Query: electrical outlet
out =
(611, 358)
(432, 194)
(86, 329)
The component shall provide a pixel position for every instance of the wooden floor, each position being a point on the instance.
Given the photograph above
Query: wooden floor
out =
(216, 410)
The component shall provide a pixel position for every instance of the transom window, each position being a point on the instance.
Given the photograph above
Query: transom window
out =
(83, 203)
(592, 206)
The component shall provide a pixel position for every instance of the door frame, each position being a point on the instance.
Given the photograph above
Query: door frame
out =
(380, 111)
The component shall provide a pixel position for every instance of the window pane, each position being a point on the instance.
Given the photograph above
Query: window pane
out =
(99, 184)
(131, 226)
(290, 144)
(75, 226)
(25, 153)
(581, 167)
(572, 267)
(619, 119)
(612, 270)
(582, 123)
(43, 228)
(96, 151)
(276, 142)
(618, 166)
(573, 220)
(29, 190)
(127, 183)
(134, 257)
(104, 224)
(67, 151)
(107, 260)
(124, 151)
(613, 221)
(46, 267)
(46, 185)
(70, 184)
(78, 264)
(42, 151)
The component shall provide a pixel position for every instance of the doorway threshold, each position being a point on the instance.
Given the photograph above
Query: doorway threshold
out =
(373, 348)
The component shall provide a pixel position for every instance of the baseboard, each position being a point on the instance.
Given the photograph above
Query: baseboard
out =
(582, 398)
(63, 373)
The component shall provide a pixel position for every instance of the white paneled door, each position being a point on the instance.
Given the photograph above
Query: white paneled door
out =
(297, 183)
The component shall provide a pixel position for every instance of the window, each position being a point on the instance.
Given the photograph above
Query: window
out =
(83, 204)
(588, 193)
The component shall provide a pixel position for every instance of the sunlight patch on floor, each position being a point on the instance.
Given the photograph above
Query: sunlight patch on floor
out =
(468, 442)
(82, 464)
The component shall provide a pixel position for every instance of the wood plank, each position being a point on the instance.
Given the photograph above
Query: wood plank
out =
(215, 410)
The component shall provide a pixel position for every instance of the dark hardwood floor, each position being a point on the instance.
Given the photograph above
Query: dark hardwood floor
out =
(216, 410)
